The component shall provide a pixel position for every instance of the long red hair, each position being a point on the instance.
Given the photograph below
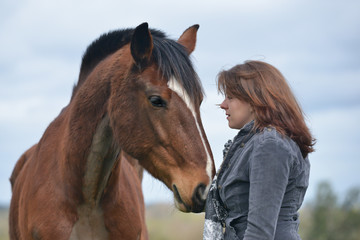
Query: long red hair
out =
(274, 104)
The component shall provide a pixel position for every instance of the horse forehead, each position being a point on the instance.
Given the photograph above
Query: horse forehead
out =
(175, 86)
(153, 76)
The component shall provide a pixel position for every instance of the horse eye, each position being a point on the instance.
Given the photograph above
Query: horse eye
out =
(157, 101)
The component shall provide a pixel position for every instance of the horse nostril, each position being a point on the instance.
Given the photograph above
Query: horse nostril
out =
(177, 194)
(200, 190)
(179, 199)
(199, 198)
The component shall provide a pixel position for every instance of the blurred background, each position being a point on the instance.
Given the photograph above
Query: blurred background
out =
(315, 44)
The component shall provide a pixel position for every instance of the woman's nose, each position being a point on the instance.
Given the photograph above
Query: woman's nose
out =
(223, 105)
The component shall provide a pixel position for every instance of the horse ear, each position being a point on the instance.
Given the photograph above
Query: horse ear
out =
(141, 44)
(188, 38)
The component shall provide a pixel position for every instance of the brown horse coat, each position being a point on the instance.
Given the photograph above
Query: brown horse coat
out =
(82, 180)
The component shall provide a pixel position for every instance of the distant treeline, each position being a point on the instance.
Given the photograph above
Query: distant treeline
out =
(328, 218)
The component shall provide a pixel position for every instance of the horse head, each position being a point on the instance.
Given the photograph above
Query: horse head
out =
(155, 114)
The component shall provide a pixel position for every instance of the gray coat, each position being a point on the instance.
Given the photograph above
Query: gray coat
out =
(260, 187)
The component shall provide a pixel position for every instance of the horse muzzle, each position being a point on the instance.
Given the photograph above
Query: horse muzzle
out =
(198, 199)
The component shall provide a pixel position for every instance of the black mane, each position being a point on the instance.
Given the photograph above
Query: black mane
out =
(171, 58)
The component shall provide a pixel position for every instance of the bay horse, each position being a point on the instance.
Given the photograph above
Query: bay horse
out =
(135, 105)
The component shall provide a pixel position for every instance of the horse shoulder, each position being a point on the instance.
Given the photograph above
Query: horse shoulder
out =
(20, 165)
(16, 176)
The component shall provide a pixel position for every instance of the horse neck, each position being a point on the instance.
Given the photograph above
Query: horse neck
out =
(90, 148)
(100, 161)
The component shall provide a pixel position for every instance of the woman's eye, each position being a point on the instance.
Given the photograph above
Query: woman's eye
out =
(157, 101)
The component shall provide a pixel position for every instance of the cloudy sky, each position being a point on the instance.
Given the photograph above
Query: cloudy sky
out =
(315, 44)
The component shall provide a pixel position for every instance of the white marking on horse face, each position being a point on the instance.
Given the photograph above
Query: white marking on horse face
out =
(174, 85)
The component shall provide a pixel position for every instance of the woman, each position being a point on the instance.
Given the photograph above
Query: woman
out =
(261, 183)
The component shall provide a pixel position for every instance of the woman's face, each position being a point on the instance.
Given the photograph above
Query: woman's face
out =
(238, 112)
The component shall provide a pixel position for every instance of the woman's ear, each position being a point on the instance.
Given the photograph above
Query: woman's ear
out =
(252, 109)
